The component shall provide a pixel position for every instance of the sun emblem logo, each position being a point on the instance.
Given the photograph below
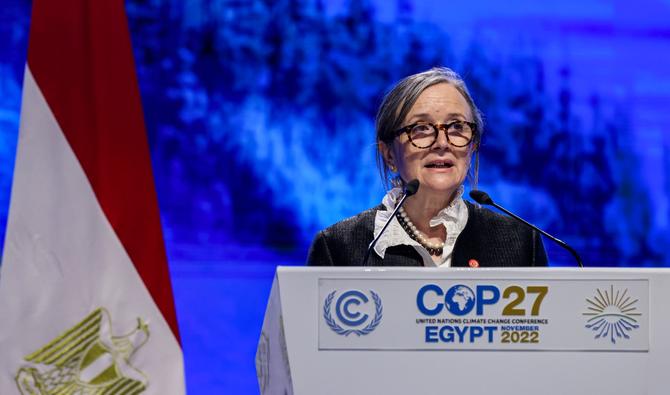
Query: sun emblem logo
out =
(612, 315)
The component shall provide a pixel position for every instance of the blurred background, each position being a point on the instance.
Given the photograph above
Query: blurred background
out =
(260, 120)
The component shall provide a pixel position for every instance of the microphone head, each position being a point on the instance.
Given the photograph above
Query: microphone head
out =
(411, 187)
(481, 197)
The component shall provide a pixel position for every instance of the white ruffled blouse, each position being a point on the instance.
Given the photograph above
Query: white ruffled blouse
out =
(453, 218)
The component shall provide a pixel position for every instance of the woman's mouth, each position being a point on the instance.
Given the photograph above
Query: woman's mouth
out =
(439, 165)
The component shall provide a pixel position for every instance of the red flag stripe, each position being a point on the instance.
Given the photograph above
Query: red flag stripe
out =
(81, 58)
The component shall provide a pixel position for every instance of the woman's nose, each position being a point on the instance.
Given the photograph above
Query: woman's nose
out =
(442, 141)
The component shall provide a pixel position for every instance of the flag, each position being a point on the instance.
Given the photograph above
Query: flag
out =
(86, 304)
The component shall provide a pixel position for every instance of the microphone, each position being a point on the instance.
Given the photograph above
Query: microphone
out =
(482, 197)
(410, 189)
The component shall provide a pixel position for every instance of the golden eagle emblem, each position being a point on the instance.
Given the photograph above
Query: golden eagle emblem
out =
(86, 360)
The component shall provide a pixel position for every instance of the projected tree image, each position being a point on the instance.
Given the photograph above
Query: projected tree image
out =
(260, 117)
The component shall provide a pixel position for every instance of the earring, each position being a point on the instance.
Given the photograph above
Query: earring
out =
(393, 168)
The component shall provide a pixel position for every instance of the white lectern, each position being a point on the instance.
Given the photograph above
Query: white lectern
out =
(466, 331)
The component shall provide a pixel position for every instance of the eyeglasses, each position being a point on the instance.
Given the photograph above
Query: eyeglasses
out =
(424, 134)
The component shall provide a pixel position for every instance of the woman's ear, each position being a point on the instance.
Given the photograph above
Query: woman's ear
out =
(387, 154)
(477, 143)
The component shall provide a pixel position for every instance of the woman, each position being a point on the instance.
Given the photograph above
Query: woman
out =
(429, 129)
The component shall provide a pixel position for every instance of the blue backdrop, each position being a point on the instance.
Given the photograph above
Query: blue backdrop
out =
(260, 120)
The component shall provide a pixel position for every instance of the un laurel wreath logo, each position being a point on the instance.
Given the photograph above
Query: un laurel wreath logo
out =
(351, 319)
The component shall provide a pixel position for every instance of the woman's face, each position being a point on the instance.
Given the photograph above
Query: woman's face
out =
(442, 168)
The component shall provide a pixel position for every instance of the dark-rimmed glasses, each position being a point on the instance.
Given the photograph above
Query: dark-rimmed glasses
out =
(424, 134)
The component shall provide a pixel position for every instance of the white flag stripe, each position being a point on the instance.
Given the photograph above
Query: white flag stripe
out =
(62, 259)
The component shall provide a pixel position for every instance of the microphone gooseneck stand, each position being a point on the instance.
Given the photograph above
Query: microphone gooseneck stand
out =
(482, 197)
(410, 189)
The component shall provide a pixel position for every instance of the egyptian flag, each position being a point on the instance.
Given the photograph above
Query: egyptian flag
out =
(86, 303)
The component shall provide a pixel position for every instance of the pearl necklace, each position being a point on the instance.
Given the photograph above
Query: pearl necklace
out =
(415, 234)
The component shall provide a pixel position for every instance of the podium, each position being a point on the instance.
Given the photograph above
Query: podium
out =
(471, 331)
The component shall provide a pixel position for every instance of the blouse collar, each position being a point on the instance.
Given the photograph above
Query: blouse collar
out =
(453, 218)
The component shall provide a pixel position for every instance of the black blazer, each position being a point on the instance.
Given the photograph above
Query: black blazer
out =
(490, 238)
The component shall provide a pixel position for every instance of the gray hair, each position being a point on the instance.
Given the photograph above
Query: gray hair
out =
(399, 100)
